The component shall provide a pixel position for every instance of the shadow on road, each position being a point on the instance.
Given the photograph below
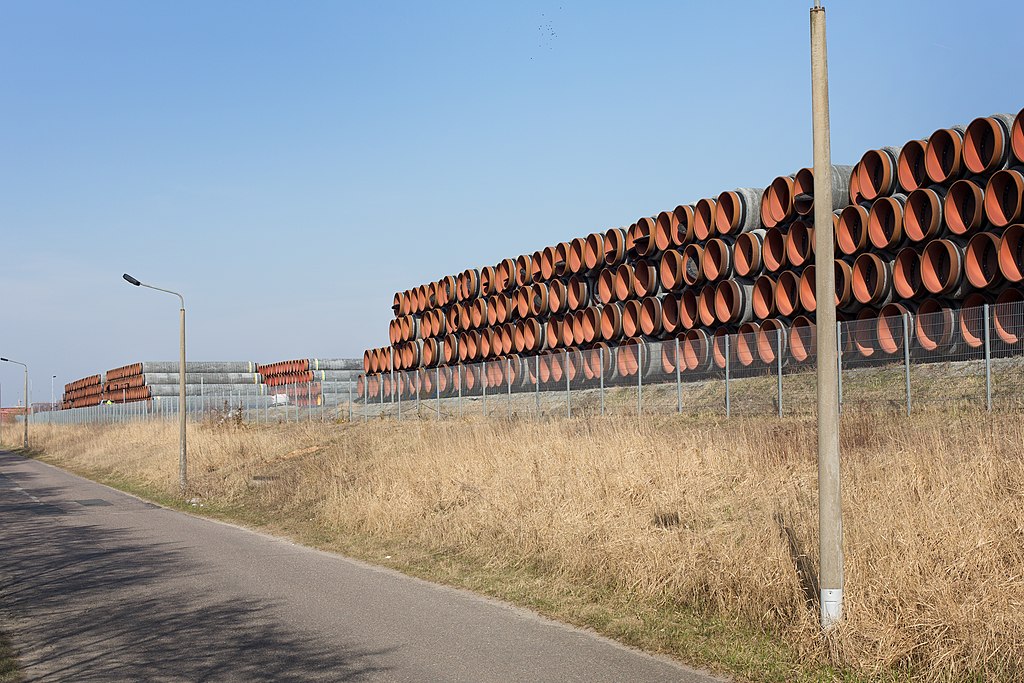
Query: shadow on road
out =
(87, 603)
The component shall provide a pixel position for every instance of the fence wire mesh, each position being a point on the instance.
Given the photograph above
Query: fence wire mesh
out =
(902, 362)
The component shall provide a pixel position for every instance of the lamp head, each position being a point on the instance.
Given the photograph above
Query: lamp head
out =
(130, 280)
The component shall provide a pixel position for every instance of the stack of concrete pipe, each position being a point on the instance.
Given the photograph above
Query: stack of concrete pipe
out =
(931, 226)
(160, 379)
(307, 381)
(82, 393)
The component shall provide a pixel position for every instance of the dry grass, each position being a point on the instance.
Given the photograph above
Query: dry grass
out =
(648, 529)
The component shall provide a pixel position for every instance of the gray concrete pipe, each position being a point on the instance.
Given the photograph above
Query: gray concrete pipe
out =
(160, 366)
(205, 378)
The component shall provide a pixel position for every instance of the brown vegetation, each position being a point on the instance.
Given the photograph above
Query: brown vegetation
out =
(698, 539)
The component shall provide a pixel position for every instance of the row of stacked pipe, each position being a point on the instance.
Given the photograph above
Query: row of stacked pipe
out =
(929, 227)
(303, 381)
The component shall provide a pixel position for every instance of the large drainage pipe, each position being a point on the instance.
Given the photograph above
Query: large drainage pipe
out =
(762, 298)
(717, 259)
(651, 316)
(704, 219)
(624, 282)
(972, 320)
(987, 144)
(645, 281)
(706, 305)
(666, 226)
(1004, 198)
(689, 309)
(1011, 253)
(787, 293)
(577, 256)
(852, 231)
(799, 244)
(593, 254)
(670, 270)
(578, 293)
(693, 273)
(614, 246)
(733, 303)
(746, 343)
(922, 214)
(606, 286)
(611, 322)
(768, 337)
(1007, 318)
(863, 332)
(773, 250)
(558, 297)
(696, 351)
(1017, 137)
(631, 318)
(981, 261)
(777, 202)
(803, 339)
(964, 207)
(942, 269)
(738, 211)
(885, 222)
(877, 173)
(684, 233)
(889, 327)
(935, 327)
(746, 254)
(906, 274)
(872, 280)
(943, 158)
(803, 189)
(670, 319)
(910, 169)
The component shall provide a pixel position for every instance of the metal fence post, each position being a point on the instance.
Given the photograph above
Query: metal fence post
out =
(906, 356)
(988, 360)
(600, 353)
(459, 367)
(728, 398)
(568, 390)
(639, 379)
(839, 363)
(778, 361)
(398, 392)
(679, 382)
(419, 390)
(483, 385)
(437, 390)
(309, 401)
(536, 379)
(508, 376)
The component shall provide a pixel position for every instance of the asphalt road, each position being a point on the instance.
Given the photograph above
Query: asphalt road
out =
(96, 585)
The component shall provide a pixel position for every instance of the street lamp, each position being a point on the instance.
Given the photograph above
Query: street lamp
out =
(8, 360)
(182, 457)
(52, 377)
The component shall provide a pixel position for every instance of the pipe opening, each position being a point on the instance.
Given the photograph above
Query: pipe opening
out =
(763, 297)
(922, 219)
(1011, 253)
(1004, 197)
(964, 207)
(985, 145)
(852, 232)
(934, 326)
(943, 154)
(910, 168)
(906, 273)
(981, 260)
(773, 250)
(802, 338)
(803, 191)
(1008, 316)
(787, 293)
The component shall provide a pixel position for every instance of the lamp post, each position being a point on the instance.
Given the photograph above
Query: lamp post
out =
(182, 452)
(52, 377)
(8, 360)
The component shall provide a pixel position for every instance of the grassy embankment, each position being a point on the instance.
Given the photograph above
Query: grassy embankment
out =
(697, 540)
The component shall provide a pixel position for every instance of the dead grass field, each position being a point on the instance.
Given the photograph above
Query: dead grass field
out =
(696, 539)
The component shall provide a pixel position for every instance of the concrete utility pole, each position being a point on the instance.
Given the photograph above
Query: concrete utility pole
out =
(830, 515)
(182, 451)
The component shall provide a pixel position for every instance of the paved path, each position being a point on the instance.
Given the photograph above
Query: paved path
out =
(96, 585)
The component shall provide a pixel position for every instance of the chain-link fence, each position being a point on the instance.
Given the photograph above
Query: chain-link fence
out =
(903, 362)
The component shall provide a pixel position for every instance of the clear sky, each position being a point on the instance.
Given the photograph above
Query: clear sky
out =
(289, 165)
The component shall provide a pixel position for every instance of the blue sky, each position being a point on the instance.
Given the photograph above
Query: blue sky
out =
(289, 165)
